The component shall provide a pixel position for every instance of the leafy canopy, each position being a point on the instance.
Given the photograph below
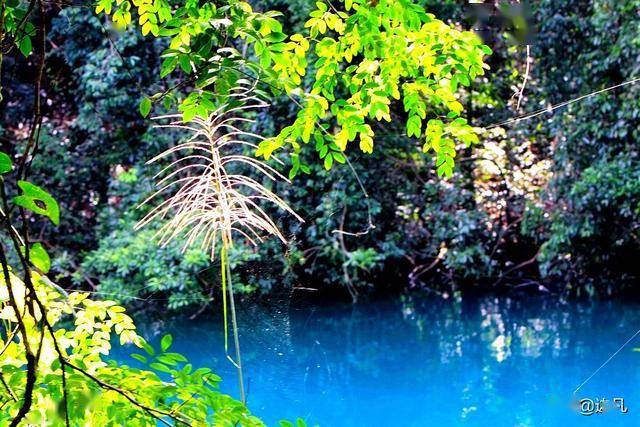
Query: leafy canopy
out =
(365, 57)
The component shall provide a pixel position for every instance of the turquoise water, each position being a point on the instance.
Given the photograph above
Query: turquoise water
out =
(427, 362)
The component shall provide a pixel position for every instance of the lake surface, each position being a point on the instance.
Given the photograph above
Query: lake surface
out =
(427, 362)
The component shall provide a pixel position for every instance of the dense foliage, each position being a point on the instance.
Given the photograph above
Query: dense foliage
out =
(524, 207)
(75, 369)
(56, 372)
(592, 210)
(381, 51)
(445, 193)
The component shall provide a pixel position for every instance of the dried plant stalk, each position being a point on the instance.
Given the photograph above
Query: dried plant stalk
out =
(203, 202)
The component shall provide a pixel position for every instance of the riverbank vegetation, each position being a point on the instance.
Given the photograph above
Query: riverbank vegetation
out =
(408, 152)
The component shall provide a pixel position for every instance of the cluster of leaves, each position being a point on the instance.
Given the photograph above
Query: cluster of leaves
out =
(597, 237)
(366, 57)
(465, 244)
(195, 34)
(202, 44)
(316, 255)
(378, 53)
(129, 268)
(418, 219)
(103, 130)
(92, 123)
(17, 24)
(98, 390)
(31, 198)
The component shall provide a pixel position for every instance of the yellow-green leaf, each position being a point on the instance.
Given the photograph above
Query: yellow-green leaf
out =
(5, 163)
(39, 257)
(38, 201)
(166, 341)
(145, 106)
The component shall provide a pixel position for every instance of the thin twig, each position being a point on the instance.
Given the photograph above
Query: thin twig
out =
(526, 78)
(552, 108)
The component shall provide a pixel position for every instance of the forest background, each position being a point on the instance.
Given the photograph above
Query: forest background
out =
(545, 204)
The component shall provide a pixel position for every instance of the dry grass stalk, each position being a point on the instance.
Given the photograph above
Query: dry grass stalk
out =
(203, 202)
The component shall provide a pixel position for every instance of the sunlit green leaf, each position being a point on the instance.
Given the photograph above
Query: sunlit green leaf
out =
(166, 342)
(38, 201)
(39, 257)
(139, 358)
(160, 367)
(5, 163)
(147, 348)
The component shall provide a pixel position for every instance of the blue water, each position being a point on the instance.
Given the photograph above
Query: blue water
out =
(427, 362)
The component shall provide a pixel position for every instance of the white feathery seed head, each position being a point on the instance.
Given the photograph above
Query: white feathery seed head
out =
(202, 201)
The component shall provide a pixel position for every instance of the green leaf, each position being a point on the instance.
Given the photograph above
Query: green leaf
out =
(169, 361)
(38, 201)
(185, 63)
(323, 151)
(328, 161)
(39, 257)
(189, 114)
(168, 65)
(414, 125)
(166, 102)
(160, 367)
(444, 165)
(147, 348)
(339, 157)
(25, 46)
(275, 37)
(166, 341)
(464, 79)
(139, 358)
(5, 163)
(176, 356)
(145, 106)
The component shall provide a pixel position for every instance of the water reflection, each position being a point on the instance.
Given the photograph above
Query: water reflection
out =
(423, 362)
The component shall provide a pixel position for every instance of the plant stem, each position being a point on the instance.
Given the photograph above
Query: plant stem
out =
(227, 286)
(236, 338)
(223, 268)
